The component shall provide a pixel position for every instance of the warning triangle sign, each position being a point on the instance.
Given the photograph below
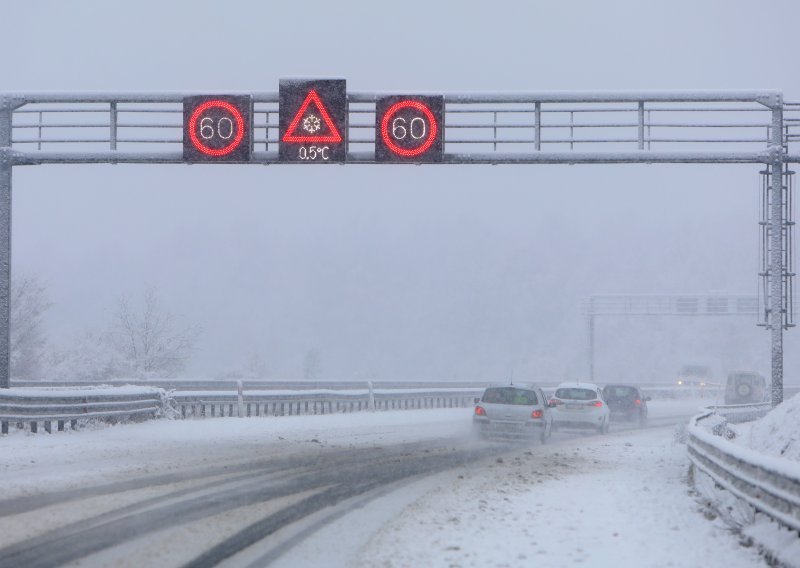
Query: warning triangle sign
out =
(313, 121)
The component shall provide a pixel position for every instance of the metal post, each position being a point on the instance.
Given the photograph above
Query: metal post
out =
(641, 125)
(591, 347)
(776, 316)
(371, 397)
(112, 124)
(239, 399)
(5, 239)
(590, 314)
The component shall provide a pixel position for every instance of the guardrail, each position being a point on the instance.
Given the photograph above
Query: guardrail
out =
(768, 484)
(738, 413)
(266, 403)
(32, 407)
(45, 404)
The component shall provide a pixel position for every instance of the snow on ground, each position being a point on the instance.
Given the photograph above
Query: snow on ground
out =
(777, 433)
(597, 501)
(616, 500)
(76, 458)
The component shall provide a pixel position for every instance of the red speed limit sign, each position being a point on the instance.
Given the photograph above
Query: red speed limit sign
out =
(409, 129)
(217, 128)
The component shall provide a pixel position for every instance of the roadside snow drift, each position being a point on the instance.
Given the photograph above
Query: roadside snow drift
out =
(777, 433)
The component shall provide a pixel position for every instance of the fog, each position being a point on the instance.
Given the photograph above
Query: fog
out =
(400, 272)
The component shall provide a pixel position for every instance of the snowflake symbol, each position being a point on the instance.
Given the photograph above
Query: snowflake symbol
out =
(311, 124)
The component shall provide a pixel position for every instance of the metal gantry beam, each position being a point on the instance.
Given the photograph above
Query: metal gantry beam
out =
(479, 128)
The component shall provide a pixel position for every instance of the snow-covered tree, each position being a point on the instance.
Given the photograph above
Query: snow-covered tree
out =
(89, 357)
(29, 302)
(148, 339)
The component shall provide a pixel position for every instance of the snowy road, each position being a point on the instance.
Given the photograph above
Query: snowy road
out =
(404, 488)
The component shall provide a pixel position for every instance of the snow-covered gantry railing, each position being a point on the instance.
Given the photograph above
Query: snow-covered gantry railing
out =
(32, 406)
(771, 485)
(495, 128)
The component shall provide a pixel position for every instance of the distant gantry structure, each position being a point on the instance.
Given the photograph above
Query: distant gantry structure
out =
(659, 305)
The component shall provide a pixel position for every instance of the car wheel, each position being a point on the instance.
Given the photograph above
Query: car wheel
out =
(603, 428)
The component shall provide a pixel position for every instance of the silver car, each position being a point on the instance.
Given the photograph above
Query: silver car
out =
(513, 411)
(580, 405)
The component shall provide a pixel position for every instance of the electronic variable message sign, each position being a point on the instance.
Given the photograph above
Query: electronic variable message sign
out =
(312, 120)
(409, 128)
(217, 128)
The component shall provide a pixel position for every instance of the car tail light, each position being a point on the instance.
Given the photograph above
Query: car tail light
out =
(637, 402)
(596, 403)
(479, 411)
(556, 401)
(536, 414)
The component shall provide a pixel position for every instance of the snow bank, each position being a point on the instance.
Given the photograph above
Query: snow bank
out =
(777, 433)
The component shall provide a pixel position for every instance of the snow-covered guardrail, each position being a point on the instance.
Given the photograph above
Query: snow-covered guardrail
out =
(769, 484)
(736, 413)
(286, 403)
(30, 407)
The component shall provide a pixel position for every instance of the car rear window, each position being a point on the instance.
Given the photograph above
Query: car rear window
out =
(576, 393)
(747, 379)
(509, 395)
(620, 392)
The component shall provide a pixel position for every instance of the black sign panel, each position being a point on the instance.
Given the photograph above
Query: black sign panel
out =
(409, 129)
(217, 128)
(313, 121)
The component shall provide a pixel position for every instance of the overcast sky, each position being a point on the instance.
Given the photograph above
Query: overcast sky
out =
(469, 272)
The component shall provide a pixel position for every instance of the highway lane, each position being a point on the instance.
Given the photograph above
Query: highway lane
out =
(320, 479)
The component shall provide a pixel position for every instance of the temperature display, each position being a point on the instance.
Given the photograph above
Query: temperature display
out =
(313, 121)
(217, 129)
(409, 129)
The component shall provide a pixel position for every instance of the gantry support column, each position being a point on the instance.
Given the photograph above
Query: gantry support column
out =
(6, 107)
(777, 244)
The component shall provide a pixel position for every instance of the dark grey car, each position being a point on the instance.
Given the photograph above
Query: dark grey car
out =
(513, 411)
(626, 402)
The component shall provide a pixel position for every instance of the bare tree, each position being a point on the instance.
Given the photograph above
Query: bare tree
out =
(151, 340)
(29, 302)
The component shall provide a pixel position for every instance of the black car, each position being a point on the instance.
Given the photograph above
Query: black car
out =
(626, 402)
